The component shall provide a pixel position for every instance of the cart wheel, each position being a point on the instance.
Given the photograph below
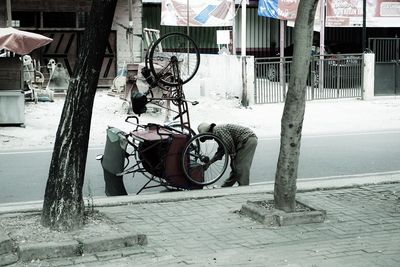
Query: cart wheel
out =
(198, 152)
(174, 54)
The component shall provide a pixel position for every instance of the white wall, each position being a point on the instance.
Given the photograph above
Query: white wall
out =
(220, 76)
(122, 16)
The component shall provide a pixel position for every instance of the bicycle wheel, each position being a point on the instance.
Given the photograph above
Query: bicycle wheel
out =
(174, 59)
(198, 152)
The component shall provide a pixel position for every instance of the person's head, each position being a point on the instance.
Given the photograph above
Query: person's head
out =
(205, 127)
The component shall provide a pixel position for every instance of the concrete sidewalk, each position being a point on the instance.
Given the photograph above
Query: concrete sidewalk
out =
(202, 228)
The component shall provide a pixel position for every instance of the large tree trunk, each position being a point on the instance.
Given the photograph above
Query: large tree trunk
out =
(293, 113)
(63, 206)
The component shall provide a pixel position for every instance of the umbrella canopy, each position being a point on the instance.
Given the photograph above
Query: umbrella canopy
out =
(21, 42)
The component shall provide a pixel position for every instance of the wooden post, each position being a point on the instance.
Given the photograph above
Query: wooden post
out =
(245, 101)
(282, 78)
(243, 34)
(232, 46)
(321, 47)
(364, 27)
(243, 54)
(188, 19)
(9, 17)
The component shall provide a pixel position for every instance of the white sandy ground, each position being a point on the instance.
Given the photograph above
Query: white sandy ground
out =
(322, 117)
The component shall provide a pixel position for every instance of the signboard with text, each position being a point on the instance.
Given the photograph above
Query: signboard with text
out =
(200, 13)
(278, 9)
(339, 13)
(349, 13)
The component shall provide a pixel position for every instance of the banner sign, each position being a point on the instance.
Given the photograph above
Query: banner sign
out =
(201, 13)
(284, 10)
(278, 9)
(349, 13)
(339, 13)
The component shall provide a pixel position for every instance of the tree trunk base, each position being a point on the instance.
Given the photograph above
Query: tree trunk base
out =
(64, 217)
(265, 212)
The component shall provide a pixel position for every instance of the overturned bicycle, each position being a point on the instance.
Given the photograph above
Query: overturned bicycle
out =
(172, 156)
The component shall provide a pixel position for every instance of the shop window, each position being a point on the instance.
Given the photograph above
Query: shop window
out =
(26, 19)
(59, 20)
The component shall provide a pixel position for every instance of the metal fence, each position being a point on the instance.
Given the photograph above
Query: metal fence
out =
(387, 65)
(342, 76)
(385, 49)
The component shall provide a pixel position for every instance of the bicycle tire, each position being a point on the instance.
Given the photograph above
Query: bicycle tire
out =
(161, 52)
(198, 151)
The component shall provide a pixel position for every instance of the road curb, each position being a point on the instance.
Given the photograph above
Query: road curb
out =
(7, 256)
(79, 246)
(7, 259)
(111, 242)
(5, 243)
(322, 183)
(47, 250)
(303, 185)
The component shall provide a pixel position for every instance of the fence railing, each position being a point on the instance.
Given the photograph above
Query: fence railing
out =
(333, 76)
(385, 49)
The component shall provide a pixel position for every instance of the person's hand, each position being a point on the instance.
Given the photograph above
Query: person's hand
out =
(206, 165)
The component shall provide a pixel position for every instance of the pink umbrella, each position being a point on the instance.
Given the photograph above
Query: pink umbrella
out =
(21, 42)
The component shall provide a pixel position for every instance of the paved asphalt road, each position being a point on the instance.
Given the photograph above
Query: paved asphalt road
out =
(23, 175)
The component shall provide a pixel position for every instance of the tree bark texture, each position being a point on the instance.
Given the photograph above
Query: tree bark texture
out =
(63, 206)
(293, 113)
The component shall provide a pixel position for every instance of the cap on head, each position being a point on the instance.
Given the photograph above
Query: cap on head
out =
(203, 127)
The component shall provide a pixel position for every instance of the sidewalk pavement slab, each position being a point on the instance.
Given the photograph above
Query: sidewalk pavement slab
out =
(362, 228)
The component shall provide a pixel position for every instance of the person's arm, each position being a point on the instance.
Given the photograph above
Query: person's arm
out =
(217, 156)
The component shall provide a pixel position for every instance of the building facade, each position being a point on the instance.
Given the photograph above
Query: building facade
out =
(65, 21)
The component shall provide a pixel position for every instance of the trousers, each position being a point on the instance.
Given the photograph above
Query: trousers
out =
(241, 163)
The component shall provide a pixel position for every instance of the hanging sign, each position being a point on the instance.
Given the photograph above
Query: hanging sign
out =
(339, 13)
(201, 13)
(349, 13)
(278, 9)
(284, 10)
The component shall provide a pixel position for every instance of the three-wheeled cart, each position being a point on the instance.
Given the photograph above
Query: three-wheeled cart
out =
(172, 155)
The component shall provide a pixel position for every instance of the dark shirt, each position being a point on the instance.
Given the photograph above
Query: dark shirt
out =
(232, 135)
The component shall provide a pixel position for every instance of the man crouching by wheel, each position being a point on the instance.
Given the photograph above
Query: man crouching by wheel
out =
(241, 143)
